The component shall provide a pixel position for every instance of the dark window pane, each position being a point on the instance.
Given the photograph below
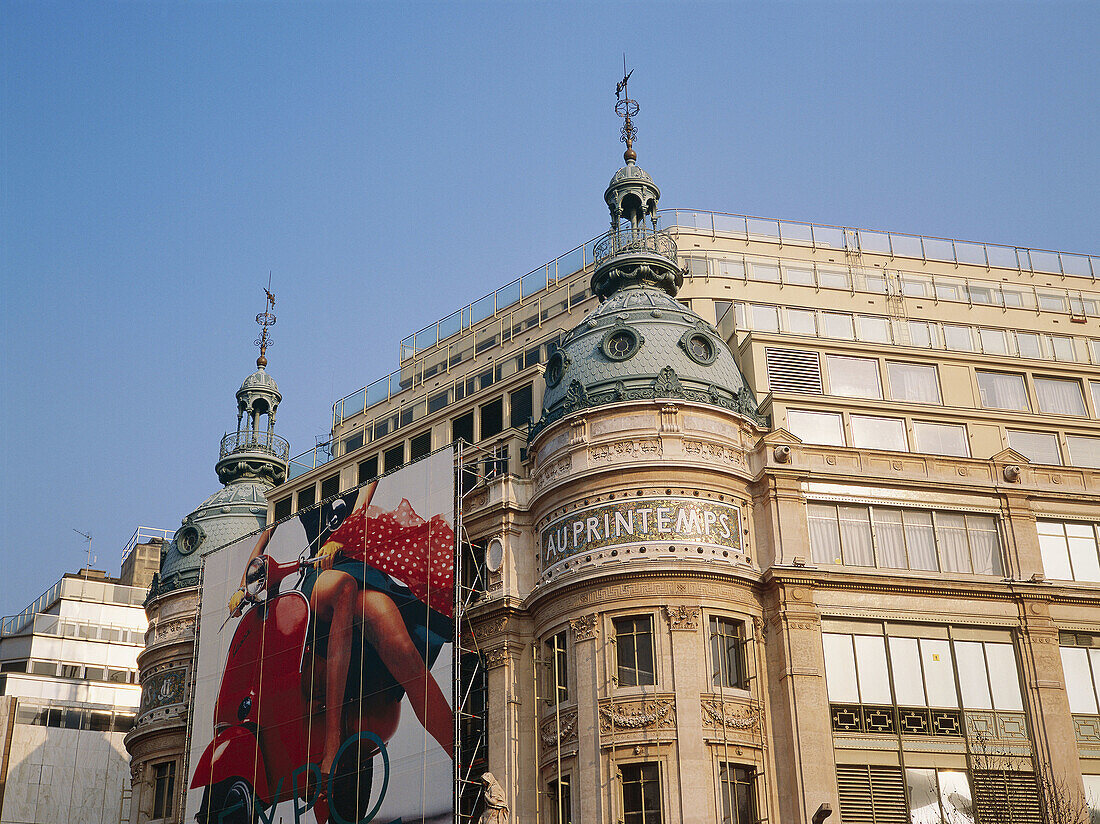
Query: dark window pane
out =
(463, 427)
(420, 445)
(354, 442)
(330, 486)
(394, 457)
(521, 402)
(307, 497)
(368, 469)
(492, 418)
(282, 508)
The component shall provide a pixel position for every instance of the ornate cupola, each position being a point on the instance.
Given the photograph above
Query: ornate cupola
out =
(641, 343)
(254, 452)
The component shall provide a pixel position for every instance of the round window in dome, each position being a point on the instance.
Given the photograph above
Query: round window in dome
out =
(620, 343)
(555, 369)
(699, 347)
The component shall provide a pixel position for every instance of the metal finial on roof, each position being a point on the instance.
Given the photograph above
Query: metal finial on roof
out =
(265, 319)
(626, 109)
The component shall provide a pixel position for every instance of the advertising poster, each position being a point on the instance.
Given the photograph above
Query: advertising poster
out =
(323, 685)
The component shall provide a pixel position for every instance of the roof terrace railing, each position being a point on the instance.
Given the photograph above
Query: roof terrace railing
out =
(814, 235)
(142, 535)
(14, 624)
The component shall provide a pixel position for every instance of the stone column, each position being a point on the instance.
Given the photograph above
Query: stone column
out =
(591, 788)
(690, 680)
(503, 762)
(800, 725)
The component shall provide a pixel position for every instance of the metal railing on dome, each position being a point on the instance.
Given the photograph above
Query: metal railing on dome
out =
(254, 442)
(628, 241)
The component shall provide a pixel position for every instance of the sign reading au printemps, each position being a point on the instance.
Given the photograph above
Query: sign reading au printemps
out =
(695, 521)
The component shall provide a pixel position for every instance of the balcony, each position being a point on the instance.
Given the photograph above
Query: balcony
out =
(634, 242)
(236, 442)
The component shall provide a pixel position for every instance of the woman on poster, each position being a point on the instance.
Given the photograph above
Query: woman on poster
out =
(391, 576)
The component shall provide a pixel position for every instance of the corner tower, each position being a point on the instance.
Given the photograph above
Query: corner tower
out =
(251, 461)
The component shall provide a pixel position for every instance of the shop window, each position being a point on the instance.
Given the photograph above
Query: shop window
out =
(282, 508)
(394, 457)
(738, 794)
(557, 669)
(641, 793)
(635, 660)
(492, 418)
(307, 497)
(853, 377)
(559, 798)
(420, 445)
(164, 788)
(368, 469)
(521, 406)
(1037, 447)
(330, 486)
(1000, 390)
(913, 382)
(727, 653)
(462, 428)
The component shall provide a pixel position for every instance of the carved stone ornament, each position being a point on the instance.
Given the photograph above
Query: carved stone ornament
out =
(667, 384)
(584, 628)
(553, 471)
(681, 617)
(638, 715)
(642, 448)
(496, 657)
(718, 714)
(174, 629)
(551, 735)
(490, 629)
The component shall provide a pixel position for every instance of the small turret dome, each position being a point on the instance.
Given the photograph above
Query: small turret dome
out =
(259, 380)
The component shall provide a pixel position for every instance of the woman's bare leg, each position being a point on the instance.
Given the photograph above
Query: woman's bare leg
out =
(333, 601)
(384, 627)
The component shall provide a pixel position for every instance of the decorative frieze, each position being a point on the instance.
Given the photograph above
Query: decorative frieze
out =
(730, 715)
(551, 472)
(644, 714)
(714, 451)
(585, 628)
(163, 689)
(553, 735)
(490, 629)
(1087, 729)
(495, 657)
(682, 618)
(649, 448)
(168, 630)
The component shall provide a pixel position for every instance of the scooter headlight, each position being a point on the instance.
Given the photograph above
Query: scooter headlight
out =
(255, 578)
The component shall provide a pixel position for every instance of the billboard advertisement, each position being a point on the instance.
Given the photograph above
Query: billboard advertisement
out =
(323, 683)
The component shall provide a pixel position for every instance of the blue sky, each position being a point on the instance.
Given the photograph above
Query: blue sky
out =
(388, 163)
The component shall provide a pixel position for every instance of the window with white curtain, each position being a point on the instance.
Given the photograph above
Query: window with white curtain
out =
(838, 326)
(871, 432)
(1063, 348)
(1094, 351)
(1084, 451)
(1094, 388)
(1069, 550)
(1057, 396)
(1037, 447)
(903, 538)
(873, 329)
(921, 672)
(825, 428)
(914, 382)
(853, 377)
(940, 439)
(731, 269)
(833, 279)
(1002, 390)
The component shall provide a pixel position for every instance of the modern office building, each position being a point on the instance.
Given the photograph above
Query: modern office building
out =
(765, 516)
(251, 460)
(69, 693)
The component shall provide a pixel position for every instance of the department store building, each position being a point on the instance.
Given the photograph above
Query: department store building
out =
(761, 516)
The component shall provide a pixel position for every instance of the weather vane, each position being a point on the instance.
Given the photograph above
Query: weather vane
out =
(265, 319)
(626, 109)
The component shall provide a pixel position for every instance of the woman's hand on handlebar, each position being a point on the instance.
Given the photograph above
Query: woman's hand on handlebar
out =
(235, 601)
(327, 556)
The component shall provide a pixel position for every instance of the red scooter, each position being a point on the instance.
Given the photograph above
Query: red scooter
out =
(269, 719)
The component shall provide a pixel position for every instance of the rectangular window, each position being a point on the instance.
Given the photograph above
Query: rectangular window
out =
(853, 377)
(793, 370)
(727, 652)
(940, 439)
(330, 486)
(799, 277)
(1037, 447)
(420, 445)
(958, 338)
(914, 382)
(920, 334)
(1063, 348)
(394, 457)
(438, 400)
(878, 433)
(557, 669)
(164, 789)
(636, 662)
(765, 318)
(816, 427)
(641, 793)
(1027, 343)
(802, 322)
(462, 428)
(282, 508)
(873, 329)
(1083, 451)
(368, 469)
(763, 271)
(993, 341)
(560, 801)
(833, 279)
(492, 418)
(938, 796)
(307, 497)
(1000, 390)
(521, 406)
(838, 326)
(354, 442)
(1069, 550)
(1057, 396)
(738, 794)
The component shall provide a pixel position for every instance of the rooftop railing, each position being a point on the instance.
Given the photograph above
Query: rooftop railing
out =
(254, 442)
(627, 241)
(813, 235)
(142, 535)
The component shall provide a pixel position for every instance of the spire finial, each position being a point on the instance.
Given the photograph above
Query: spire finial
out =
(265, 319)
(626, 109)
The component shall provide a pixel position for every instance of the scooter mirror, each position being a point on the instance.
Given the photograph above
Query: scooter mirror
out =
(337, 515)
(255, 577)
